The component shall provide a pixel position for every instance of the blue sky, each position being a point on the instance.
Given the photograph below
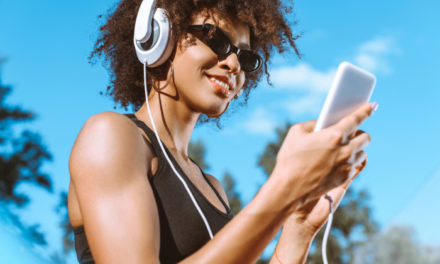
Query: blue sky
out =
(47, 44)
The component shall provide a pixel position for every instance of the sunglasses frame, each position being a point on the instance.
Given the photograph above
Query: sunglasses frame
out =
(207, 29)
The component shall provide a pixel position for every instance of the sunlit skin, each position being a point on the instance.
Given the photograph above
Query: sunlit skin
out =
(110, 195)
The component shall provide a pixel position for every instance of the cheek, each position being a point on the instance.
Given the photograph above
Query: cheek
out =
(241, 80)
(189, 65)
(194, 58)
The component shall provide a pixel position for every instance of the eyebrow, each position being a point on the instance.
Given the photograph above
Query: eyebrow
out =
(244, 46)
(241, 45)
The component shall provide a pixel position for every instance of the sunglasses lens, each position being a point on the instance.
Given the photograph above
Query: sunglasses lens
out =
(219, 44)
(249, 61)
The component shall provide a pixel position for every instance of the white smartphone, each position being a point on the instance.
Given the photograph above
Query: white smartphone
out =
(351, 88)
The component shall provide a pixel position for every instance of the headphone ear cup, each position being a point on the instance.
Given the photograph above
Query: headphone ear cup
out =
(161, 39)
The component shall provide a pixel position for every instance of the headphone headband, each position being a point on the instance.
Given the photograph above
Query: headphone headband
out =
(142, 31)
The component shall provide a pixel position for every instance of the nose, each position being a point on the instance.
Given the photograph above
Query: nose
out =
(231, 63)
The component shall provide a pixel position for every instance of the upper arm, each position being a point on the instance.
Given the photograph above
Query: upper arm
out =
(108, 167)
(218, 187)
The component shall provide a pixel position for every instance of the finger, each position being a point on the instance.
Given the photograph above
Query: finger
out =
(303, 128)
(358, 143)
(347, 153)
(349, 123)
(336, 194)
(339, 177)
(355, 134)
(360, 168)
(359, 158)
(307, 206)
(308, 126)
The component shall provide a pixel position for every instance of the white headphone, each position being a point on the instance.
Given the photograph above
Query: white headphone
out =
(160, 39)
(152, 27)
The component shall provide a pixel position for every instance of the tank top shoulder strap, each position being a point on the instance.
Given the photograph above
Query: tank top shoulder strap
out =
(158, 151)
(228, 209)
(150, 134)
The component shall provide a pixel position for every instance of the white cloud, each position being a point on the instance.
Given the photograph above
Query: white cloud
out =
(367, 62)
(308, 104)
(260, 122)
(302, 77)
(303, 88)
(379, 45)
(311, 85)
(372, 55)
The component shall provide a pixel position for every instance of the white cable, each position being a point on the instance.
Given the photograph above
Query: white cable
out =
(205, 221)
(327, 229)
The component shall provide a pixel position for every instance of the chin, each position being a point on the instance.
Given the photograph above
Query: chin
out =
(213, 109)
(209, 104)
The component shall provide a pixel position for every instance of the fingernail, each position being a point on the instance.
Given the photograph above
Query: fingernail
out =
(374, 107)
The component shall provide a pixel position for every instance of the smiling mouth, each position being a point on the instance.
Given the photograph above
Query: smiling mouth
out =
(220, 86)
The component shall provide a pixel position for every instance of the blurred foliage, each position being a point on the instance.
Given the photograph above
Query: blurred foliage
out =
(352, 226)
(68, 236)
(32, 232)
(352, 223)
(262, 261)
(396, 245)
(234, 199)
(197, 152)
(21, 157)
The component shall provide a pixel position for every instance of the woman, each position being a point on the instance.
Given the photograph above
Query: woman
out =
(125, 203)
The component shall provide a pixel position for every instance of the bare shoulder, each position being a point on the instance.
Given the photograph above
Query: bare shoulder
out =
(108, 140)
(108, 170)
(218, 187)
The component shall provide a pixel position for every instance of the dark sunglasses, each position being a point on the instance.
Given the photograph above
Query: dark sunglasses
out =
(219, 43)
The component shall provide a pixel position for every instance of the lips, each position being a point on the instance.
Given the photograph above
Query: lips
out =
(225, 85)
(222, 84)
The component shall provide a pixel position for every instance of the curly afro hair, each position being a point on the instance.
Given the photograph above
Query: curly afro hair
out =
(267, 20)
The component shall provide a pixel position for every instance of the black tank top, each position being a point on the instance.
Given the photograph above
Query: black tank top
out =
(182, 231)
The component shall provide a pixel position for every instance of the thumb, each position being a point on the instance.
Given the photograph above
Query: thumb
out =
(308, 126)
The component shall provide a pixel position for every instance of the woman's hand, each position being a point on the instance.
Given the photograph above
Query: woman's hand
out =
(311, 164)
(311, 216)
(348, 159)
(301, 226)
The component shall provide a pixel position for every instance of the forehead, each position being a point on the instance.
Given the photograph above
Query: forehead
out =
(237, 31)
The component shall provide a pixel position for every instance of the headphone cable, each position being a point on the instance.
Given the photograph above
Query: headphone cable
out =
(205, 221)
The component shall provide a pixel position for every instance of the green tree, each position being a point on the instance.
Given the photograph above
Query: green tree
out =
(197, 152)
(352, 222)
(398, 244)
(235, 202)
(21, 157)
(68, 237)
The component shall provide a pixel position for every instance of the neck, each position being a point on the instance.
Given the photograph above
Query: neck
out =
(174, 121)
